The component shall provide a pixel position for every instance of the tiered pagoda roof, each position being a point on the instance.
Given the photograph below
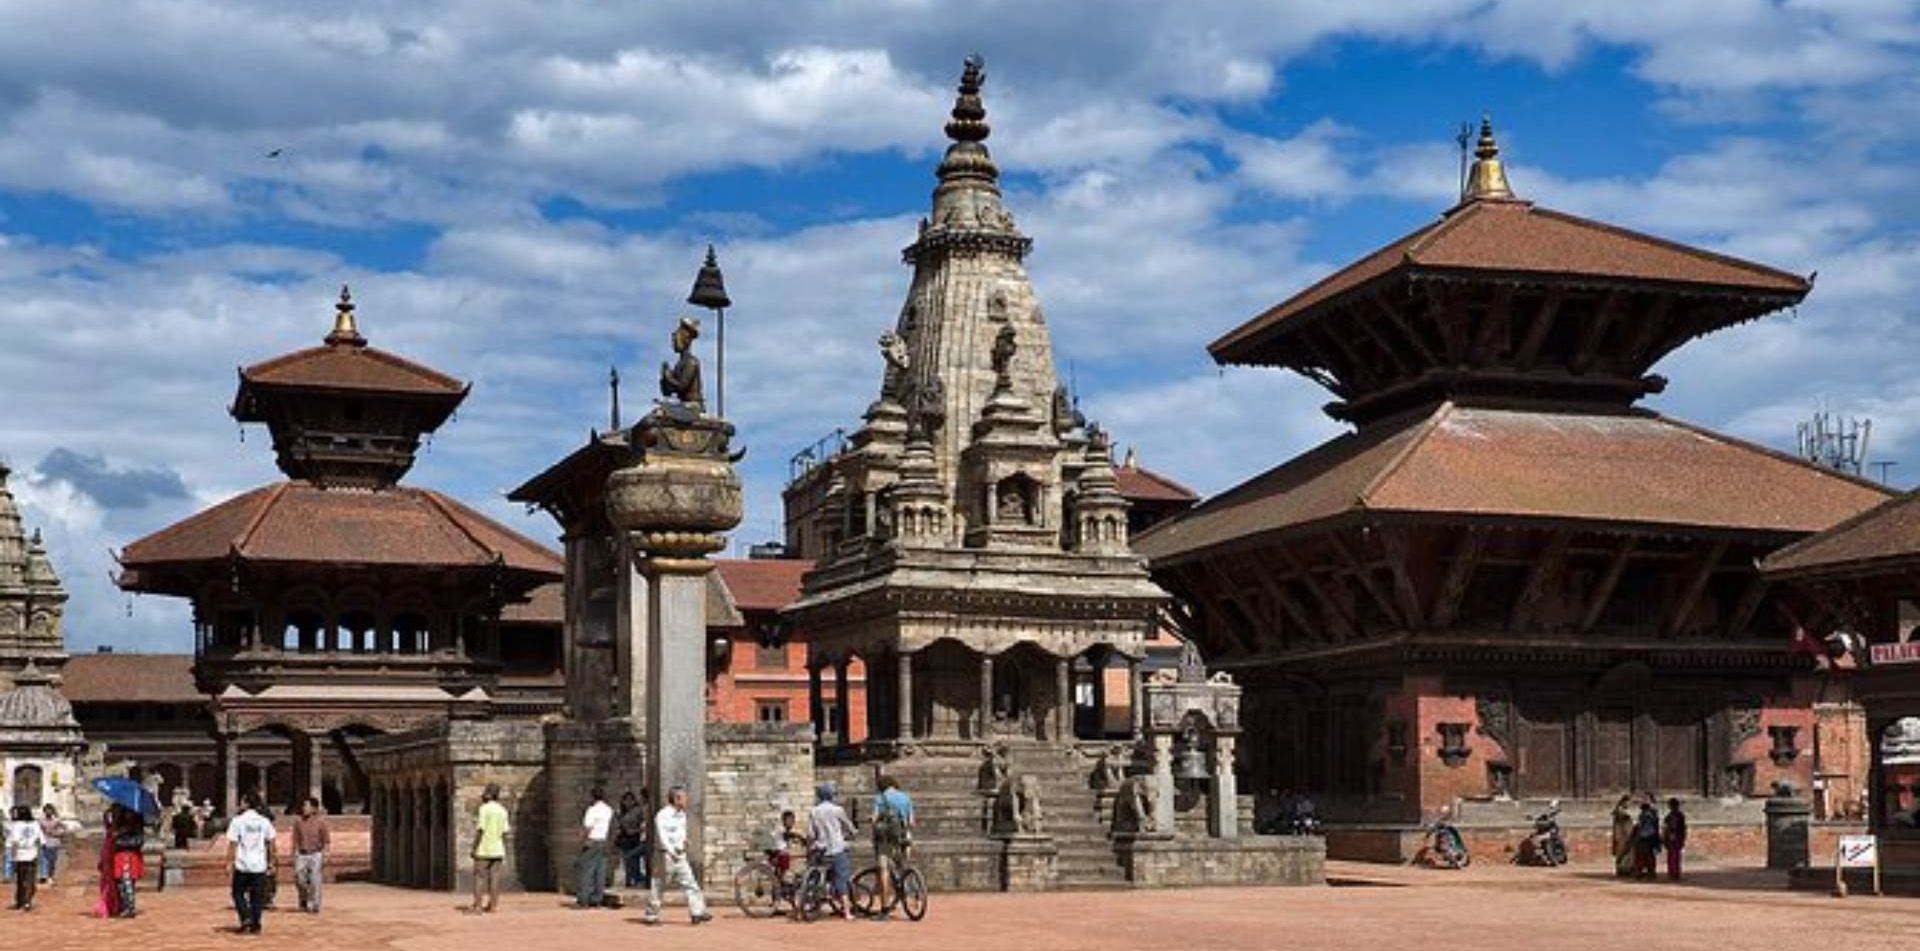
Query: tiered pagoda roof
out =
(1504, 299)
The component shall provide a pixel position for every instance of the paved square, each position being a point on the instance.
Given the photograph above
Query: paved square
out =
(1483, 909)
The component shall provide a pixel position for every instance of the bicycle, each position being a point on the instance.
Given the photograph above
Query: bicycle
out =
(909, 892)
(815, 891)
(762, 891)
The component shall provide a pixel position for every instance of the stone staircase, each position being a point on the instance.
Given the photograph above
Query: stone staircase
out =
(954, 808)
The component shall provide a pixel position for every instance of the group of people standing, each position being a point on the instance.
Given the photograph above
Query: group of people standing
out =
(636, 835)
(1641, 834)
(32, 850)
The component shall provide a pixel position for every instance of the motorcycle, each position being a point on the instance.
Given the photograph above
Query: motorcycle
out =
(1546, 846)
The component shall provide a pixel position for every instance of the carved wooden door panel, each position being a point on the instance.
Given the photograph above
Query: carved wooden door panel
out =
(1545, 760)
(1613, 752)
(1679, 759)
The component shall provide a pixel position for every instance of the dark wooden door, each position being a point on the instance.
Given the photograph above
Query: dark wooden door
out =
(1613, 752)
(1544, 760)
(1679, 758)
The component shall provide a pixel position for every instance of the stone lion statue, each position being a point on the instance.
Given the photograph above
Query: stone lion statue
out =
(1017, 807)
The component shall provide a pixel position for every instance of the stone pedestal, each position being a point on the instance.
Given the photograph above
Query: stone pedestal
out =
(1163, 788)
(1789, 822)
(1223, 801)
(1029, 863)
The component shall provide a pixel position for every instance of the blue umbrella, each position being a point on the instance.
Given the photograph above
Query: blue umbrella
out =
(125, 792)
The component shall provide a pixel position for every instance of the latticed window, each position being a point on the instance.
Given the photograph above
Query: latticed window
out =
(770, 711)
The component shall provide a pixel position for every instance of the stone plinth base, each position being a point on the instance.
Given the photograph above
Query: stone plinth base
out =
(1029, 863)
(1166, 862)
(579, 756)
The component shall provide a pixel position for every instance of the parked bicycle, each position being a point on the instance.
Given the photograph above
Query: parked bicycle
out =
(909, 892)
(762, 891)
(814, 896)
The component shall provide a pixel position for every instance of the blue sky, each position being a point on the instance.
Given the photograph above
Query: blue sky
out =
(519, 194)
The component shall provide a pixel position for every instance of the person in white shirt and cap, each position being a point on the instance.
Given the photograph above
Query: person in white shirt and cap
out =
(591, 889)
(670, 832)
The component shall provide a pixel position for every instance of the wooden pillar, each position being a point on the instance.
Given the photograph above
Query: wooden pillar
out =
(903, 695)
(1063, 698)
(1098, 659)
(842, 710)
(816, 706)
(1136, 712)
(986, 696)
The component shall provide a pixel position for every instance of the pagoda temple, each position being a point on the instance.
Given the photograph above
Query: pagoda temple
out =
(340, 604)
(1508, 581)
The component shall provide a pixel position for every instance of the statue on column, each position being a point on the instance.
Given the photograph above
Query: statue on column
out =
(680, 381)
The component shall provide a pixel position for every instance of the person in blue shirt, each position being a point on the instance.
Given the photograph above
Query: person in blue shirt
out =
(892, 835)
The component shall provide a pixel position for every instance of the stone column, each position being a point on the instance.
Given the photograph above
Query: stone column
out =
(1062, 699)
(1163, 783)
(670, 507)
(310, 749)
(1136, 698)
(1223, 802)
(632, 623)
(842, 709)
(404, 860)
(676, 711)
(228, 753)
(903, 695)
(986, 696)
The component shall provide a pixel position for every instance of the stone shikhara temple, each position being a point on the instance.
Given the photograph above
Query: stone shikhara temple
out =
(1509, 582)
(972, 549)
(42, 752)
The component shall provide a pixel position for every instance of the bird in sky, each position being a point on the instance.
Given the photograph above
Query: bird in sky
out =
(275, 153)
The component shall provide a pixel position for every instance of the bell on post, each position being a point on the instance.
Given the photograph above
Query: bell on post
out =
(1190, 761)
(709, 287)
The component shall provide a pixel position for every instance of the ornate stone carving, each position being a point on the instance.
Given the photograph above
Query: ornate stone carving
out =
(1133, 807)
(1018, 807)
(893, 349)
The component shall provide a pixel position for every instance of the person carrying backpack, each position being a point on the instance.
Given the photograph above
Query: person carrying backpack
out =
(892, 835)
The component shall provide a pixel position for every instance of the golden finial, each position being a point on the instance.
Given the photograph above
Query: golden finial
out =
(345, 331)
(1487, 179)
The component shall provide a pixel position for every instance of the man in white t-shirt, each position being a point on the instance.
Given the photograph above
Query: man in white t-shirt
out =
(591, 890)
(250, 858)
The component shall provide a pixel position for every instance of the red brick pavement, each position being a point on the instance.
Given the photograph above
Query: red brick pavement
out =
(1492, 909)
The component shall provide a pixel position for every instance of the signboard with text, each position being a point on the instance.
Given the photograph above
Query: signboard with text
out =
(1859, 851)
(1900, 653)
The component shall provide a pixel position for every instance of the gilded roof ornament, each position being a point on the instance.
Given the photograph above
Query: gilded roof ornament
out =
(345, 331)
(1487, 179)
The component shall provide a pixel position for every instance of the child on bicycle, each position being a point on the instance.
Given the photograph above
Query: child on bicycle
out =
(790, 839)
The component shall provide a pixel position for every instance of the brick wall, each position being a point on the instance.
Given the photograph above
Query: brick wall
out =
(754, 770)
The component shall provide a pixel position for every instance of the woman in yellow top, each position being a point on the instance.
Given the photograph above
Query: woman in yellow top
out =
(489, 849)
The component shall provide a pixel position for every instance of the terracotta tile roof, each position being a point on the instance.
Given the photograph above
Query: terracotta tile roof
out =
(300, 522)
(1886, 534)
(337, 367)
(544, 605)
(1514, 237)
(763, 584)
(130, 678)
(1637, 470)
(1141, 484)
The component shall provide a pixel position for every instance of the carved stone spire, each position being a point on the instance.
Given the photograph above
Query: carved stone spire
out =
(1487, 179)
(967, 157)
(1099, 510)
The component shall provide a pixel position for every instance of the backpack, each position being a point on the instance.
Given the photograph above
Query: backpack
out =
(888, 824)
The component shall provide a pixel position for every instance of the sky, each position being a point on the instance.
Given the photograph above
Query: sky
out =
(519, 194)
